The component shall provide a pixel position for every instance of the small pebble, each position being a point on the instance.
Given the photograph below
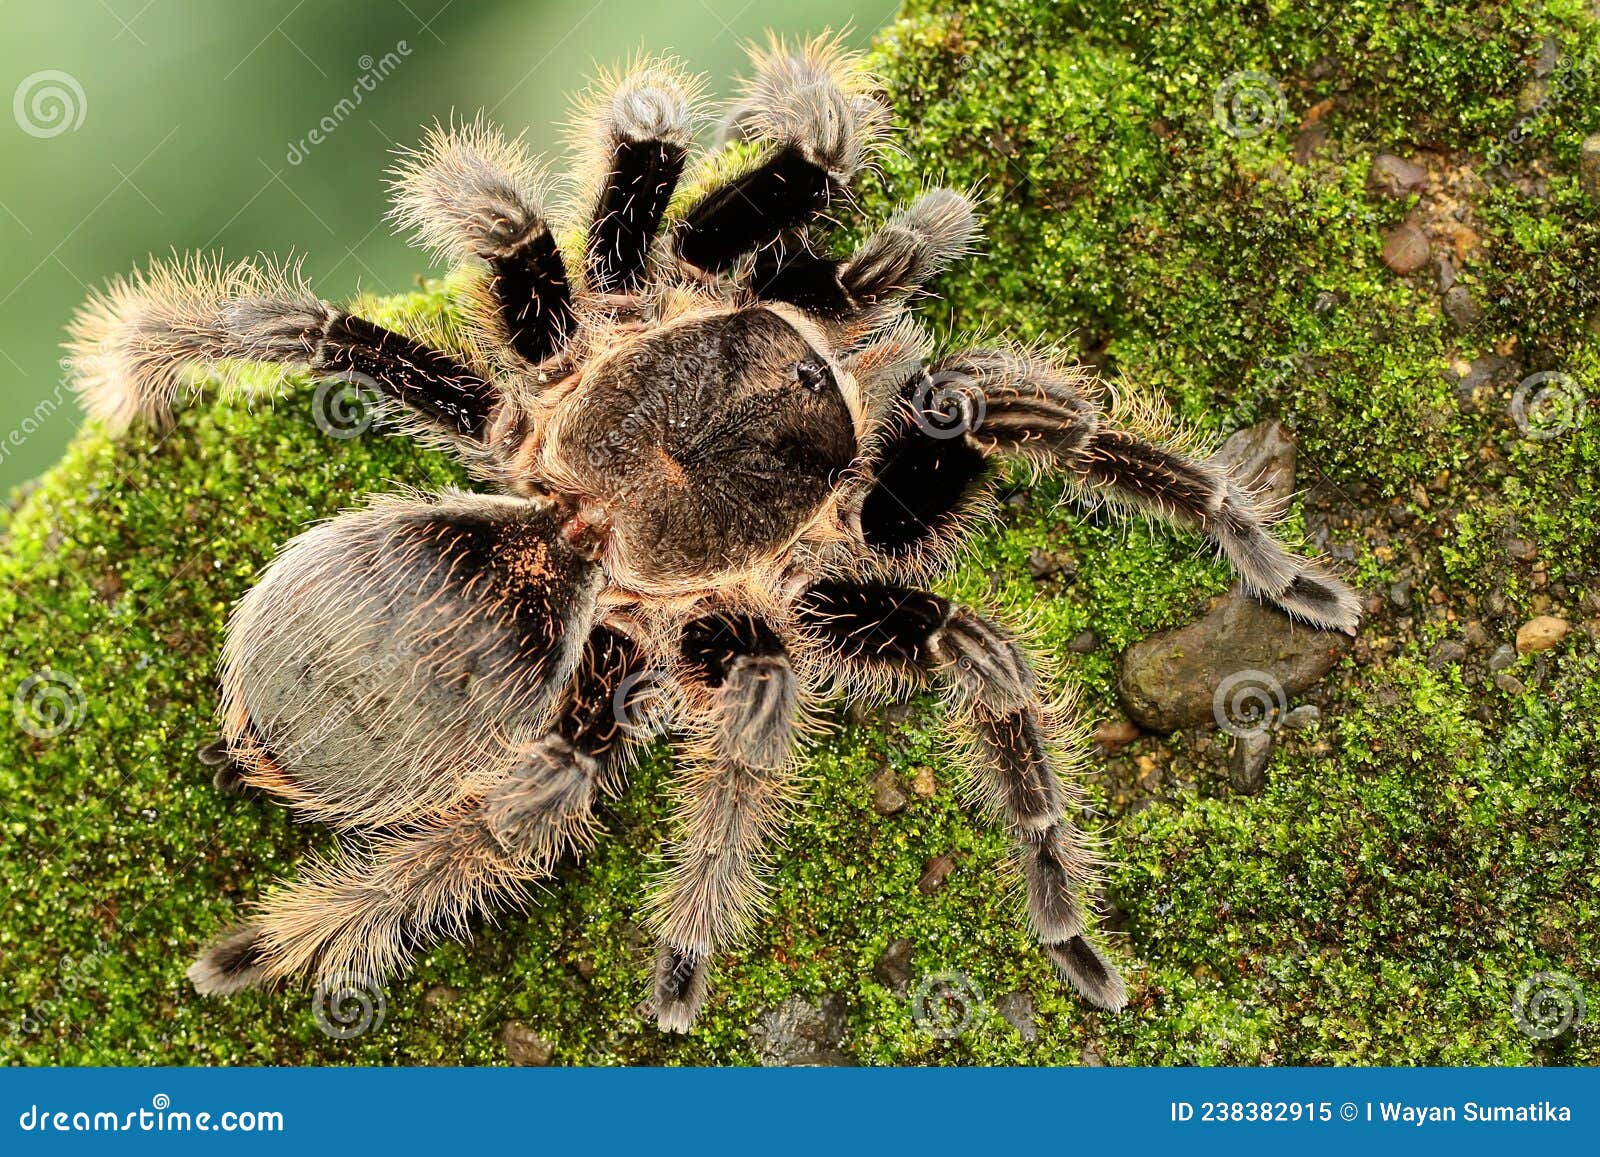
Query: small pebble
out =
(1446, 654)
(1247, 770)
(524, 1046)
(1504, 655)
(924, 784)
(1463, 311)
(935, 873)
(1043, 564)
(1116, 733)
(1400, 594)
(1305, 716)
(1509, 683)
(887, 796)
(1016, 1009)
(1405, 249)
(893, 969)
(1541, 633)
(1589, 166)
(1084, 643)
(1392, 176)
(438, 996)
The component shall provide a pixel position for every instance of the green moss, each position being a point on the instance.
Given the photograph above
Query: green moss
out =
(1409, 862)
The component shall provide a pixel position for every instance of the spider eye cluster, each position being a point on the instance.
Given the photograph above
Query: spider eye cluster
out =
(813, 374)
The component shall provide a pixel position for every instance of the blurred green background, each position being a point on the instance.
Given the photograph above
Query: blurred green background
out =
(140, 126)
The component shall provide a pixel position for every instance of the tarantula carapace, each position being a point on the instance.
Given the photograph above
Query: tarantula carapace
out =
(723, 457)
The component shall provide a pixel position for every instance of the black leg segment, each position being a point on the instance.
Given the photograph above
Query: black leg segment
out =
(640, 180)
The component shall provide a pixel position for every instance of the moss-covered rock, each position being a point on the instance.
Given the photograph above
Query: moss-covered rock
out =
(1183, 191)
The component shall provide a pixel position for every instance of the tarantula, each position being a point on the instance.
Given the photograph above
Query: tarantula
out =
(724, 459)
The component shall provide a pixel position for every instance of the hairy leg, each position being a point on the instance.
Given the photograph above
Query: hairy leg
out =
(635, 140)
(976, 405)
(875, 633)
(902, 256)
(730, 806)
(813, 112)
(134, 346)
(366, 913)
(470, 194)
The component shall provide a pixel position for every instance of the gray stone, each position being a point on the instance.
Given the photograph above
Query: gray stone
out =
(1489, 370)
(1084, 643)
(1447, 653)
(887, 795)
(1247, 768)
(1509, 683)
(1589, 166)
(1405, 248)
(1549, 56)
(1521, 549)
(1504, 656)
(1171, 679)
(1462, 309)
(1262, 457)
(935, 873)
(893, 969)
(1016, 1009)
(1392, 176)
(1302, 718)
(1400, 593)
(524, 1046)
(799, 1033)
(1043, 564)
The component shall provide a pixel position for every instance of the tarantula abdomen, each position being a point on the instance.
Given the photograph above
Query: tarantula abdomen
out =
(375, 671)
